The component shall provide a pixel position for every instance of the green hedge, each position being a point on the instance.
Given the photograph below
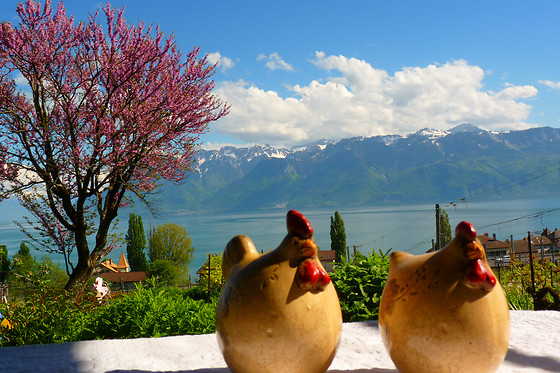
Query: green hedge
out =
(359, 284)
(150, 311)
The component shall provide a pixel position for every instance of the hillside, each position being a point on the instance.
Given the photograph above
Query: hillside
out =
(427, 166)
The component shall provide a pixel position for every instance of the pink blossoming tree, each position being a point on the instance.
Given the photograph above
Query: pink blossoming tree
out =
(108, 112)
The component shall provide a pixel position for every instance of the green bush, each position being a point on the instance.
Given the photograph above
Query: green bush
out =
(359, 284)
(516, 281)
(200, 292)
(151, 311)
(164, 271)
(45, 317)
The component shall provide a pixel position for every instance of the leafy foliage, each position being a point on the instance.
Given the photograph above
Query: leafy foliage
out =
(164, 271)
(338, 237)
(171, 242)
(136, 243)
(151, 311)
(45, 317)
(359, 284)
(516, 281)
(444, 228)
(4, 263)
(155, 310)
(201, 293)
(211, 276)
(26, 272)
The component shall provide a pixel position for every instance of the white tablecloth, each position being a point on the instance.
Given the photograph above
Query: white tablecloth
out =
(534, 347)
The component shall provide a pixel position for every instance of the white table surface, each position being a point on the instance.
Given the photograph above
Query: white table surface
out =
(534, 347)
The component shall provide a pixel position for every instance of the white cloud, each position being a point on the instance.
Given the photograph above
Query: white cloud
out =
(218, 146)
(550, 84)
(224, 63)
(20, 80)
(275, 62)
(360, 100)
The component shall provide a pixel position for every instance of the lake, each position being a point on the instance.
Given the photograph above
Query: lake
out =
(406, 227)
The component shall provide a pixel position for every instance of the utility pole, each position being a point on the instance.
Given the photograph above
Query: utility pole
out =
(437, 228)
(531, 264)
(542, 249)
(512, 252)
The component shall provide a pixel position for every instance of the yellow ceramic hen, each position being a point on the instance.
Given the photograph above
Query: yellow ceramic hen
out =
(278, 312)
(445, 311)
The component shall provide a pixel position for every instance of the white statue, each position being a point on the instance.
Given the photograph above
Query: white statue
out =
(101, 288)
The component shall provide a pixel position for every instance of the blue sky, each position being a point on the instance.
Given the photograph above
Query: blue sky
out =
(299, 71)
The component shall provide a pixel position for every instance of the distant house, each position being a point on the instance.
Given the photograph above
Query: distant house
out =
(554, 238)
(123, 265)
(119, 276)
(327, 258)
(123, 280)
(546, 246)
(497, 252)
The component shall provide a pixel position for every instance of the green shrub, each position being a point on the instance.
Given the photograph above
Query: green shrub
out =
(45, 317)
(200, 292)
(516, 281)
(518, 299)
(164, 271)
(151, 311)
(359, 284)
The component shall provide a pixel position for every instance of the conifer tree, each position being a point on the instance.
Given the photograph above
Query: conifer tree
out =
(24, 260)
(444, 228)
(338, 237)
(136, 244)
(4, 263)
(24, 249)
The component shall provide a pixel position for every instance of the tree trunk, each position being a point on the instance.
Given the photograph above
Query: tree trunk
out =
(88, 261)
(80, 275)
(84, 268)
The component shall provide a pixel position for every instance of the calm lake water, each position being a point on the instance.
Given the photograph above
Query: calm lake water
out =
(399, 227)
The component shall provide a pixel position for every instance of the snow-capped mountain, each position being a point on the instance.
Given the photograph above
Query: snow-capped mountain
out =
(428, 165)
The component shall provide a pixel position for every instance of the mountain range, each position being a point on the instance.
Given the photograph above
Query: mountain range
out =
(463, 163)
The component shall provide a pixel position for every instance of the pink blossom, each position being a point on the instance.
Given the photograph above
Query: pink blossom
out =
(112, 112)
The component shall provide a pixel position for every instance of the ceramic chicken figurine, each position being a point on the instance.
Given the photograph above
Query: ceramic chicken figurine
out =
(445, 311)
(278, 312)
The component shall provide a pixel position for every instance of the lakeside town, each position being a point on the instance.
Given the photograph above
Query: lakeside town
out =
(545, 246)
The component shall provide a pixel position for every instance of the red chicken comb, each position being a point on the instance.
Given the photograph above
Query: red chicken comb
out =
(296, 222)
(466, 229)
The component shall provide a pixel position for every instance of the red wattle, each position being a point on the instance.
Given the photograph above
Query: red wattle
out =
(324, 278)
(298, 223)
(308, 274)
(479, 276)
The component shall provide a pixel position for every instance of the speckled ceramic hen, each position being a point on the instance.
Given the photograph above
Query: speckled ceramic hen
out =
(278, 312)
(445, 311)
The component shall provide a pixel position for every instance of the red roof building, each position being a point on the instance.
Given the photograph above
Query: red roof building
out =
(123, 265)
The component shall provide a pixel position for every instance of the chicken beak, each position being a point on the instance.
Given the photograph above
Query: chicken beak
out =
(308, 249)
